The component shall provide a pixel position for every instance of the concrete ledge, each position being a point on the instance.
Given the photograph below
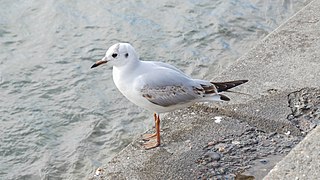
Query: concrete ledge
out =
(248, 136)
(287, 59)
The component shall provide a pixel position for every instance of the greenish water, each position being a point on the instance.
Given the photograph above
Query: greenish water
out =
(60, 119)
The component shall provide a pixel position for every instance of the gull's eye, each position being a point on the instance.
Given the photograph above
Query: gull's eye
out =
(114, 55)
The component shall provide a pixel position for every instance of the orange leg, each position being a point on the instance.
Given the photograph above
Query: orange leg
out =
(147, 137)
(152, 144)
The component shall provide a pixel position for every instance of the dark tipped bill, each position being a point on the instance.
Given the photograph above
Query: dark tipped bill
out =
(98, 63)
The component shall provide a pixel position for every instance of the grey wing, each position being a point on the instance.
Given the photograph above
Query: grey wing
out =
(167, 87)
(168, 95)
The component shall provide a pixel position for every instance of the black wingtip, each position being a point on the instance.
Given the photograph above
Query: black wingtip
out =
(223, 86)
(94, 65)
(224, 98)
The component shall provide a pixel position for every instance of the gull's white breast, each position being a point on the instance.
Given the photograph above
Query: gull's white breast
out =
(126, 80)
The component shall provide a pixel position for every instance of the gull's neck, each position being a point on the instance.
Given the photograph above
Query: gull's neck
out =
(128, 67)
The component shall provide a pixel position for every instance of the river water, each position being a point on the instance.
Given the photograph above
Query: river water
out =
(59, 119)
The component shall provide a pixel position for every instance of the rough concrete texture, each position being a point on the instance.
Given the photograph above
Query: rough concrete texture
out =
(268, 112)
(302, 162)
(245, 138)
(194, 147)
(305, 107)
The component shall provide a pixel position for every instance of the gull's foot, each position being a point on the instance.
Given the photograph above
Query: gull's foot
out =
(151, 144)
(147, 137)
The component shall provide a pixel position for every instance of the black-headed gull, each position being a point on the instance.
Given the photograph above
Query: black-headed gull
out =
(157, 86)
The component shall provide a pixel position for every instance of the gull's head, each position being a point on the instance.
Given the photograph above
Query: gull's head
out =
(118, 55)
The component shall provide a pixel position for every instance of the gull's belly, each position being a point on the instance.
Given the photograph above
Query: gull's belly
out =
(135, 97)
(144, 103)
(126, 88)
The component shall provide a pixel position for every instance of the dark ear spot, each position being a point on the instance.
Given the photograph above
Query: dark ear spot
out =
(114, 55)
(126, 55)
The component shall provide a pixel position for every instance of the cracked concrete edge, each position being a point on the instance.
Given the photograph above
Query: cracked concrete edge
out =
(302, 162)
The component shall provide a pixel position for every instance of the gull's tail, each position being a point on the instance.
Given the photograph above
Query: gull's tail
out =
(224, 86)
(212, 93)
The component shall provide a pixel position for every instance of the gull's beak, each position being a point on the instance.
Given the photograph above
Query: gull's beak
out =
(98, 63)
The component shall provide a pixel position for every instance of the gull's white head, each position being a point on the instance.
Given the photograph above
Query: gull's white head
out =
(118, 55)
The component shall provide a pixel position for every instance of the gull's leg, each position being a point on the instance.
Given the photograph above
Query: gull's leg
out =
(158, 129)
(153, 144)
(147, 137)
